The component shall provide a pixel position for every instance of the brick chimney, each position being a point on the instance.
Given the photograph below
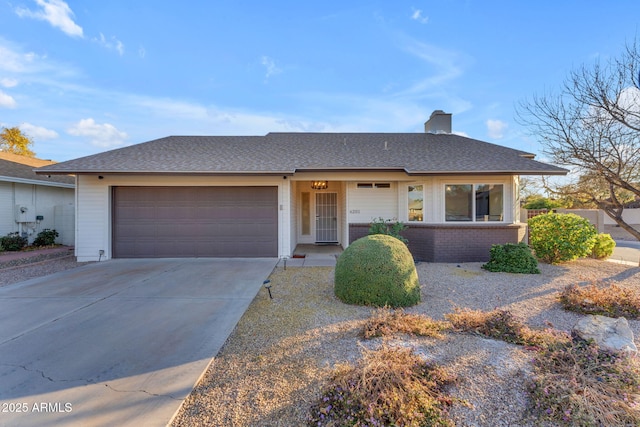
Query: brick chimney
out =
(439, 122)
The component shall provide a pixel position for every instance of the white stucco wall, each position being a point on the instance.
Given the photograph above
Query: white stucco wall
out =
(368, 204)
(7, 206)
(630, 216)
(43, 200)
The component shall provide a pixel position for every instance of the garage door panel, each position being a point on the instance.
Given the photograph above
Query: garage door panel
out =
(195, 221)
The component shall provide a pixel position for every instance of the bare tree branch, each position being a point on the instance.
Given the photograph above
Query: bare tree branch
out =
(593, 126)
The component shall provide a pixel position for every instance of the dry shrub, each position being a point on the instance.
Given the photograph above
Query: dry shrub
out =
(575, 383)
(503, 325)
(389, 386)
(578, 384)
(385, 321)
(612, 300)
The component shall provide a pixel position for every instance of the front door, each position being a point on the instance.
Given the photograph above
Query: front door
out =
(326, 217)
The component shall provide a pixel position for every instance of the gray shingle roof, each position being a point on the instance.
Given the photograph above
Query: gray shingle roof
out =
(287, 153)
(18, 172)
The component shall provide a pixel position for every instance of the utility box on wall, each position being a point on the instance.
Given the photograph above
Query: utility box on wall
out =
(25, 213)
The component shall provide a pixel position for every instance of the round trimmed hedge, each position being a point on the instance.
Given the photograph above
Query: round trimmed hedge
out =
(377, 270)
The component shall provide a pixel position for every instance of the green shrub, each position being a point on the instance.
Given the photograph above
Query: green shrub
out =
(13, 242)
(46, 237)
(385, 226)
(561, 237)
(377, 270)
(540, 202)
(512, 258)
(603, 248)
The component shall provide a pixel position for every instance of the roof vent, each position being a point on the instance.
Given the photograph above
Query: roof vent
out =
(439, 122)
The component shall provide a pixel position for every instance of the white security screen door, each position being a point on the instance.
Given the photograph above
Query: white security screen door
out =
(326, 217)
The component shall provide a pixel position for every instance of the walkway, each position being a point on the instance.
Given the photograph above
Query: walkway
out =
(312, 256)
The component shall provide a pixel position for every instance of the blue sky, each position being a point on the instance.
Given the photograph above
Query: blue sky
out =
(83, 77)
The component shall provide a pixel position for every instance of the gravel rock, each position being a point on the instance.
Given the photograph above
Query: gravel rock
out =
(281, 354)
(41, 265)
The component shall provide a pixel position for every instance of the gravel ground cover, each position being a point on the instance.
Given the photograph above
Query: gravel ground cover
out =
(281, 354)
(19, 269)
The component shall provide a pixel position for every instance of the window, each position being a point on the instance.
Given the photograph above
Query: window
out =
(479, 202)
(416, 202)
(373, 185)
(457, 202)
(489, 202)
(306, 214)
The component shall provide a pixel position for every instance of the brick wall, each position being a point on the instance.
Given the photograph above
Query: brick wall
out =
(452, 243)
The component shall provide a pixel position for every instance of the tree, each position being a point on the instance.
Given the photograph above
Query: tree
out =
(593, 126)
(12, 140)
(539, 202)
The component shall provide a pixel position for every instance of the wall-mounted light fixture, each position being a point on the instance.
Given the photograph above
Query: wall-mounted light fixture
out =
(100, 177)
(319, 185)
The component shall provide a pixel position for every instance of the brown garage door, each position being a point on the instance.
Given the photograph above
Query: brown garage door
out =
(167, 222)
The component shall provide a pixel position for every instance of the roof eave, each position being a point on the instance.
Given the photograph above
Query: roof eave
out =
(351, 169)
(487, 172)
(132, 172)
(289, 172)
(36, 182)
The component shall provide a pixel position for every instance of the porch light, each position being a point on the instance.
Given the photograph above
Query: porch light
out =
(319, 185)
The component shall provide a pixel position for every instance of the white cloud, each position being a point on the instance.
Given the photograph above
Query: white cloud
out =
(8, 82)
(446, 65)
(38, 132)
(55, 12)
(32, 68)
(7, 101)
(168, 107)
(142, 52)
(112, 43)
(496, 128)
(14, 61)
(270, 66)
(101, 135)
(418, 16)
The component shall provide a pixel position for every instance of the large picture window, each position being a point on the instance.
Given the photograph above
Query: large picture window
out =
(416, 203)
(469, 202)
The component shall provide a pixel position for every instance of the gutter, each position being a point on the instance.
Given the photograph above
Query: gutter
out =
(133, 172)
(36, 182)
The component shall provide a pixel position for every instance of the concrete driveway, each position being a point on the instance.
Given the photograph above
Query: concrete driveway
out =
(120, 342)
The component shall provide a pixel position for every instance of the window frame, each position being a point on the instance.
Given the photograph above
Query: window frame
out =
(408, 201)
(473, 209)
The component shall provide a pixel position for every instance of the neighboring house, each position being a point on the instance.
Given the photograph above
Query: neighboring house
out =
(260, 196)
(29, 203)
